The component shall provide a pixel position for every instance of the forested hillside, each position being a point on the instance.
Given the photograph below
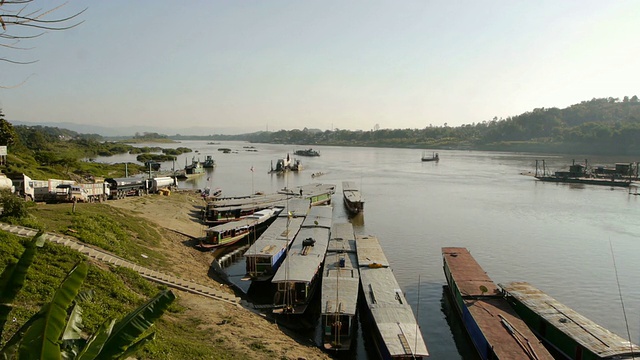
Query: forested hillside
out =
(598, 126)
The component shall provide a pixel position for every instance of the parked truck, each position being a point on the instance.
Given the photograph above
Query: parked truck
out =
(122, 187)
(90, 192)
(164, 182)
(36, 190)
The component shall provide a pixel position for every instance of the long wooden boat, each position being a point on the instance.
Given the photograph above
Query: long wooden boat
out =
(340, 284)
(568, 332)
(317, 193)
(353, 199)
(232, 232)
(394, 329)
(298, 276)
(224, 210)
(493, 326)
(263, 258)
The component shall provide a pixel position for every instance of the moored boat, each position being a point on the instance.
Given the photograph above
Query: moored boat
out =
(393, 326)
(264, 256)
(222, 210)
(209, 162)
(230, 233)
(317, 194)
(493, 326)
(353, 199)
(568, 332)
(298, 276)
(340, 283)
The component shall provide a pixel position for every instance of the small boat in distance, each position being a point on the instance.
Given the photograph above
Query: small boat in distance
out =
(306, 152)
(570, 333)
(495, 329)
(353, 199)
(433, 157)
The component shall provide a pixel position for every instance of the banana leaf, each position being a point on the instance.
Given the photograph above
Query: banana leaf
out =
(127, 330)
(42, 339)
(137, 346)
(13, 276)
(96, 341)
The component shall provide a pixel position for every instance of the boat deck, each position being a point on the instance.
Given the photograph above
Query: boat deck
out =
(393, 318)
(491, 322)
(340, 284)
(585, 332)
(303, 262)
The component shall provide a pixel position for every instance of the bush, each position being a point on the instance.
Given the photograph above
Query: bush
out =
(12, 205)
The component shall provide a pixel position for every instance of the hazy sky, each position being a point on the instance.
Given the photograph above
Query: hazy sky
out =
(240, 66)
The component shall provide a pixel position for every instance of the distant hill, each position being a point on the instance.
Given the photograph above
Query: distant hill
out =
(110, 131)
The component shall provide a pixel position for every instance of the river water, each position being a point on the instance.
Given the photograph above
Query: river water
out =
(563, 239)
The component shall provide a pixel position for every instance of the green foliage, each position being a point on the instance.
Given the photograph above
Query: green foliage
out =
(57, 327)
(13, 277)
(8, 135)
(12, 205)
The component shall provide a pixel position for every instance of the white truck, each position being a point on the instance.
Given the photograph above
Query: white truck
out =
(90, 192)
(37, 190)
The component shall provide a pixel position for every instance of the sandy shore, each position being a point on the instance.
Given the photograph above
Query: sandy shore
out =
(179, 215)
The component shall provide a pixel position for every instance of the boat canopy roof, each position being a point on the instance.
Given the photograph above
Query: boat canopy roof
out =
(340, 284)
(320, 215)
(468, 275)
(370, 252)
(275, 237)
(304, 261)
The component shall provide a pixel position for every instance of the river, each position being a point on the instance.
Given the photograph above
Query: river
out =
(558, 237)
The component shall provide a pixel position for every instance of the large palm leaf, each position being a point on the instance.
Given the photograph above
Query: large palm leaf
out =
(41, 340)
(129, 329)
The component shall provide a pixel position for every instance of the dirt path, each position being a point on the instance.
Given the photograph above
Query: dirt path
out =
(240, 329)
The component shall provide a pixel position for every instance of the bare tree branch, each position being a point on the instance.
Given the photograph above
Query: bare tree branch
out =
(18, 14)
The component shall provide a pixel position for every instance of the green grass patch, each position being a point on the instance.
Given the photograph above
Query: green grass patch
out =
(118, 231)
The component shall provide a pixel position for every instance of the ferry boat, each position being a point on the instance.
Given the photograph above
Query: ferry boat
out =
(395, 331)
(571, 334)
(340, 284)
(353, 199)
(263, 258)
(493, 326)
(232, 232)
(298, 276)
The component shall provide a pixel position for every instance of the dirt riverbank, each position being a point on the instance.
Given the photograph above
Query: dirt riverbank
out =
(240, 329)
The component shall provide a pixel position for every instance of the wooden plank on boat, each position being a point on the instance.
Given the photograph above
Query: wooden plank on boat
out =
(369, 252)
(392, 315)
(580, 329)
(342, 238)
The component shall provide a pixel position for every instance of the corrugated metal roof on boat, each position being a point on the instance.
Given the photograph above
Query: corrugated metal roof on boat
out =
(294, 207)
(277, 235)
(303, 262)
(584, 331)
(319, 216)
(369, 251)
(392, 314)
(467, 273)
(340, 284)
(342, 238)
